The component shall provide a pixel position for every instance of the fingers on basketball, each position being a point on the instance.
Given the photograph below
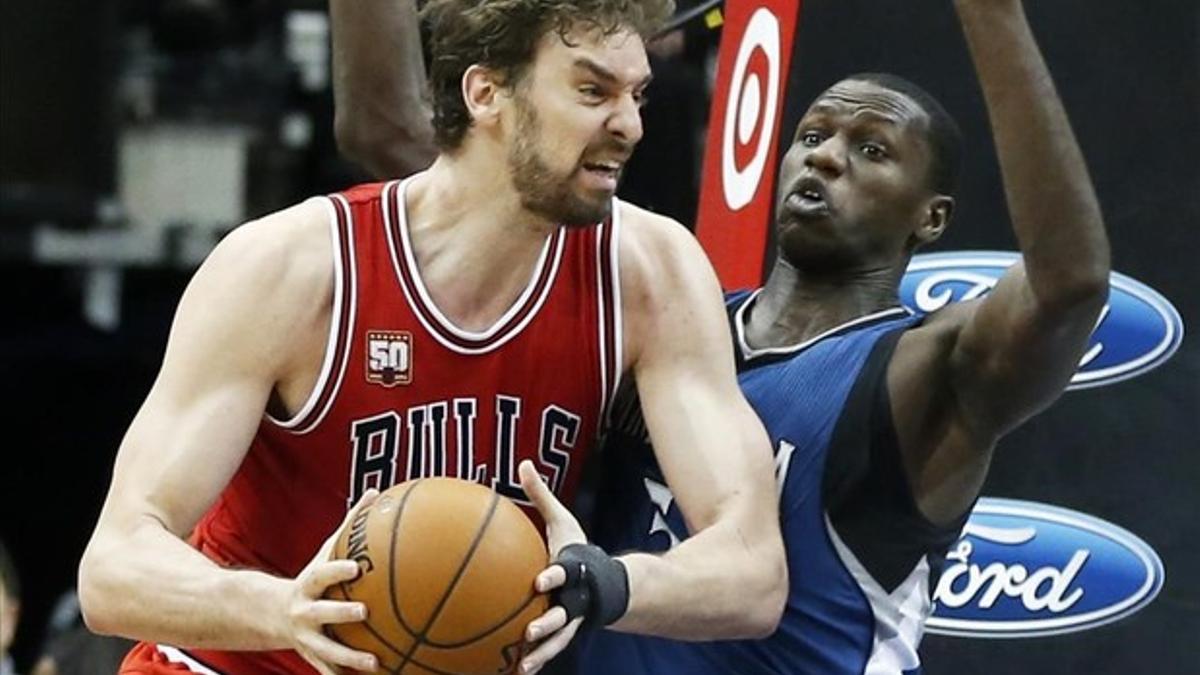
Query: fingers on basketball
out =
(447, 576)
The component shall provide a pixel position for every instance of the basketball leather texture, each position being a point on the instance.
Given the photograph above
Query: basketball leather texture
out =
(447, 577)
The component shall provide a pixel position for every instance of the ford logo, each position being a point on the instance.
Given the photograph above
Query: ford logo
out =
(1137, 330)
(1023, 569)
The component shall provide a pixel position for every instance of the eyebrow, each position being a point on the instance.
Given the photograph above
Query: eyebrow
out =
(830, 109)
(584, 63)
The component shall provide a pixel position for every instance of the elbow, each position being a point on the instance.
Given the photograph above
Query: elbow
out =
(385, 151)
(92, 605)
(1089, 284)
(352, 141)
(1080, 294)
(1077, 289)
(765, 621)
(773, 596)
(764, 577)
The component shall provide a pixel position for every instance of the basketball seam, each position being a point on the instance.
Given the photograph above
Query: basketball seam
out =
(462, 568)
(486, 632)
(333, 629)
(420, 638)
(370, 629)
(391, 585)
(392, 552)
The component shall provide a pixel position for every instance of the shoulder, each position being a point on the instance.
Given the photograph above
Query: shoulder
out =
(658, 252)
(935, 337)
(672, 296)
(285, 252)
(269, 277)
(652, 234)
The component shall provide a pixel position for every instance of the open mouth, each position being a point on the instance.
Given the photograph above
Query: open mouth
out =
(602, 175)
(808, 198)
(606, 169)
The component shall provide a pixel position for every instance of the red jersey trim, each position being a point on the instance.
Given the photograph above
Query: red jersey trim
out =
(341, 323)
(508, 326)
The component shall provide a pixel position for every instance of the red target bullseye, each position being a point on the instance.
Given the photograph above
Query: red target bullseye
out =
(750, 109)
(749, 125)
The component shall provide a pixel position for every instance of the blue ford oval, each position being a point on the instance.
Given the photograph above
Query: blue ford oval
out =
(1023, 569)
(1138, 330)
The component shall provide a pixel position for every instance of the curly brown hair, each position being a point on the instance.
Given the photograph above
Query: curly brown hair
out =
(503, 35)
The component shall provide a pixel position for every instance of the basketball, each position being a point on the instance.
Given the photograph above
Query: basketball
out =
(447, 570)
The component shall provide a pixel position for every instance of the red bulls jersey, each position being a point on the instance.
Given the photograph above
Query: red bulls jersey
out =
(404, 393)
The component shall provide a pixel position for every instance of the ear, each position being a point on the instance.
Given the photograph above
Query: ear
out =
(481, 92)
(937, 213)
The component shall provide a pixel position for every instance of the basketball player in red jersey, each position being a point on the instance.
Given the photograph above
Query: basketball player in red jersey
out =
(466, 321)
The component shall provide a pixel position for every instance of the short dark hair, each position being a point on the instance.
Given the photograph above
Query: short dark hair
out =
(945, 138)
(10, 583)
(504, 34)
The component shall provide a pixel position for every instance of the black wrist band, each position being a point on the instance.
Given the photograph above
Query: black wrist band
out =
(597, 586)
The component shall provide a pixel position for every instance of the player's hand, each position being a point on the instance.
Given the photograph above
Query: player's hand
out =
(551, 628)
(306, 612)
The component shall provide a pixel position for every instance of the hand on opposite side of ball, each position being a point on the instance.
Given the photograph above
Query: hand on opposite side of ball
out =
(562, 528)
(307, 612)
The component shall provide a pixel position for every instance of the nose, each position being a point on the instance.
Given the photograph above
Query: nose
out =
(829, 157)
(625, 122)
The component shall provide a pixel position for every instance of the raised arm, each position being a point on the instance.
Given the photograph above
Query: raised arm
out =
(1011, 354)
(711, 446)
(229, 345)
(381, 119)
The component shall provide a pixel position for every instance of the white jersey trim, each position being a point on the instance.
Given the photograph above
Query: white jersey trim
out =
(749, 352)
(342, 280)
(619, 308)
(900, 616)
(547, 256)
(175, 655)
(601, 323)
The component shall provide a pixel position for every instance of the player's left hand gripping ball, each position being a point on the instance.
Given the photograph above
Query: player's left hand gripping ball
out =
(562, 529)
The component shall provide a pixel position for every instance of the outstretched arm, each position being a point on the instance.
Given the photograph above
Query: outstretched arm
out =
(1011, 354)
(381, 120)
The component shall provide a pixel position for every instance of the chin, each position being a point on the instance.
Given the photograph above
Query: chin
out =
(587, 209)
(806, 251)
(585, 217)
(575, 212)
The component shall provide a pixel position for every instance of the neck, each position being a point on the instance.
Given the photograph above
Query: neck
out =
(795, 306)
(474, 244)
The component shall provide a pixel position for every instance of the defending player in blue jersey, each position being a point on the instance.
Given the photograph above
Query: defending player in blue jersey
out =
(883, 423)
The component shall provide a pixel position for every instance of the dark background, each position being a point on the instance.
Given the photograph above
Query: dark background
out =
(1129, 73)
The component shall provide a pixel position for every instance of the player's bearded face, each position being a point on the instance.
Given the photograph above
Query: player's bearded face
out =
(556, 193)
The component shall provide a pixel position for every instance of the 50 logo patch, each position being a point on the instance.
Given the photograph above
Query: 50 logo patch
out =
(389, 357)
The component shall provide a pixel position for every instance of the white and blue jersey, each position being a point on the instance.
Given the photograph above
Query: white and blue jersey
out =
(861, 559)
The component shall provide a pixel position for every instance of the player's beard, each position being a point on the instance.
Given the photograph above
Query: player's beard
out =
(541, 189)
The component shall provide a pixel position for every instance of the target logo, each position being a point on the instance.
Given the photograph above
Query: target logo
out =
(750, 109)
(740, 153)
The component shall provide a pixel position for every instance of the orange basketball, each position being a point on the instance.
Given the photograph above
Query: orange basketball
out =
(447, 578)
